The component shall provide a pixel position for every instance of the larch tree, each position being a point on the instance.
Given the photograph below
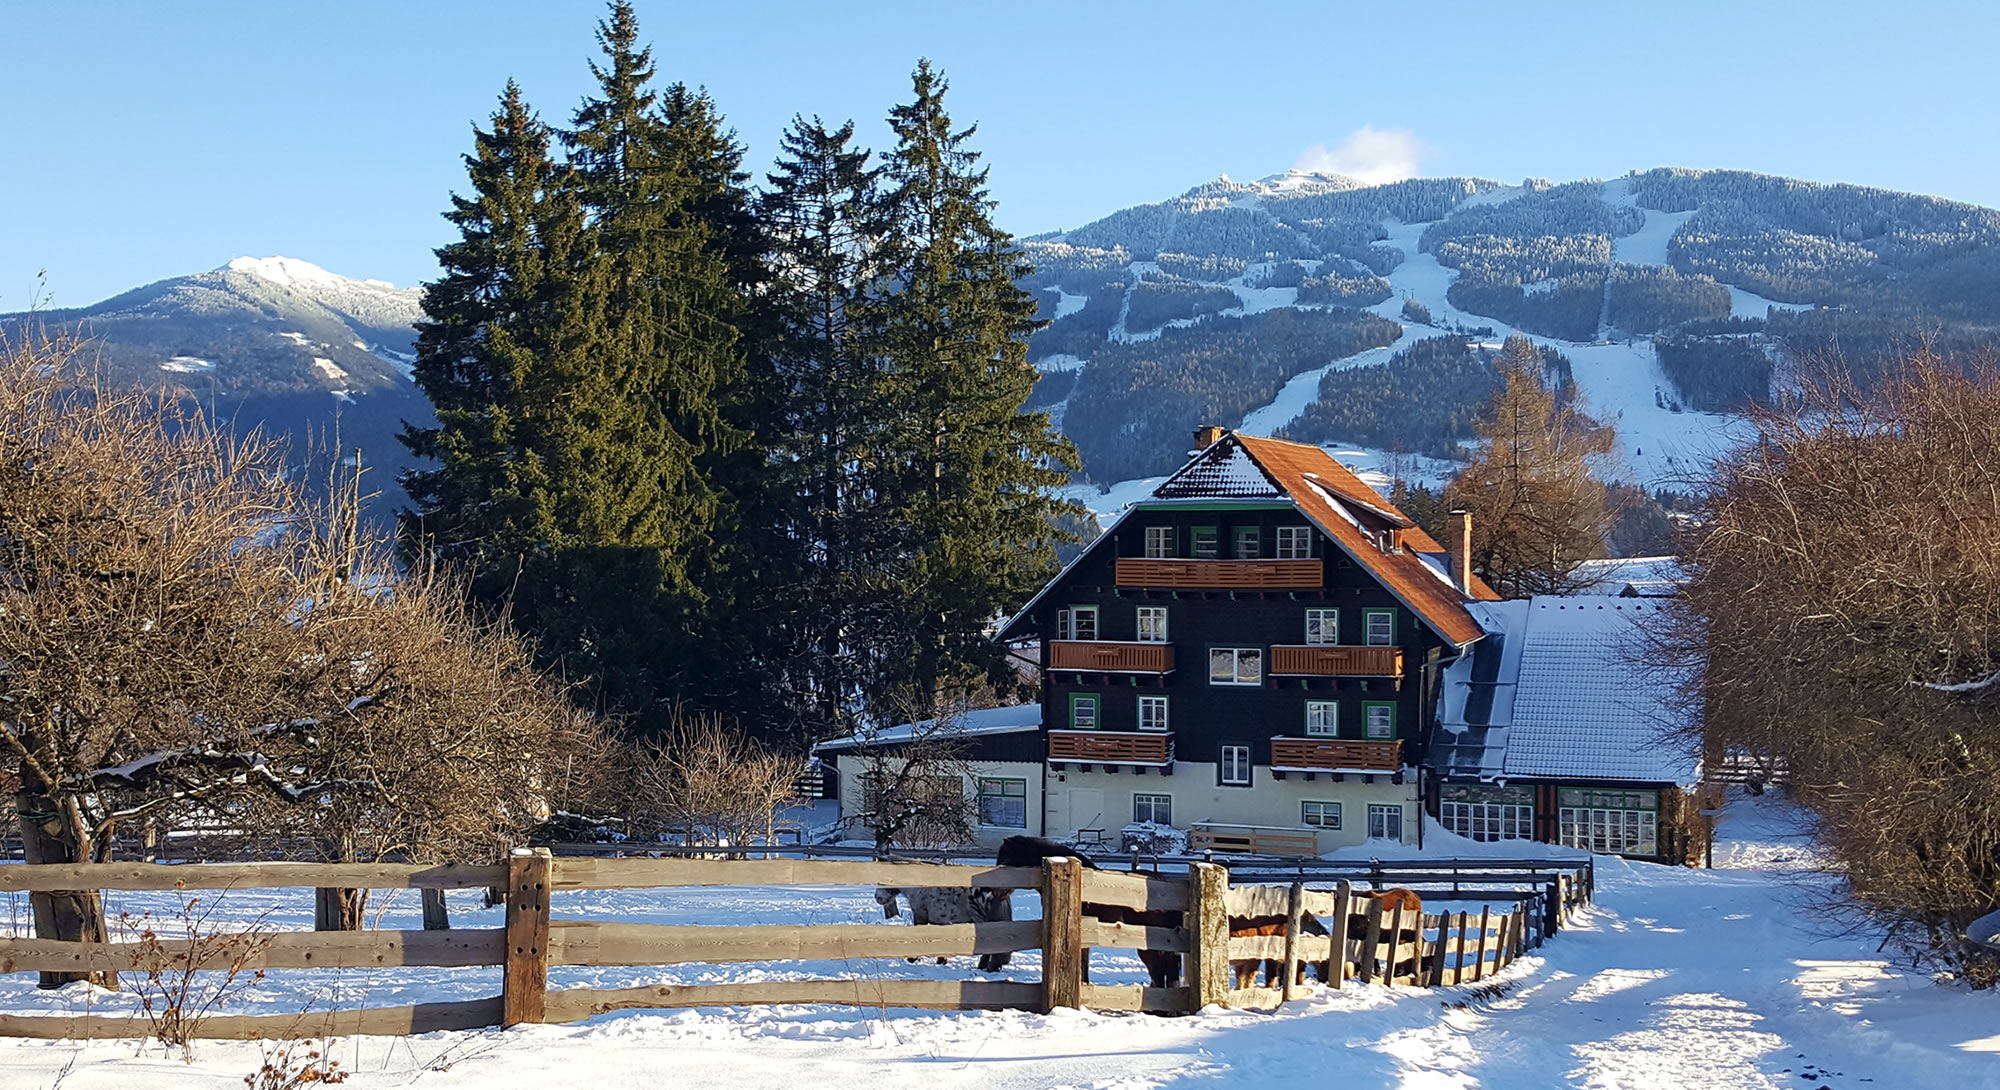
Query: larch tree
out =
(972, 476)
(1536, 510)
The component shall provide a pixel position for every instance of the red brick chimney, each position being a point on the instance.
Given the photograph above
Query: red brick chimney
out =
(1459, 548)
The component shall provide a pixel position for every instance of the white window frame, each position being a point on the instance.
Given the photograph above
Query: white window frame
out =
(1322, 625)
(1005, 797)
(1379, 815)
(1614, 832)
(1238, 658)
(1234, 761)
(1072, 622)
(1159, 809)
(1382, 729)
(1387, 636)
(1319, 815)
(1322, 718)
(1159, 543)
(1153, 713)
(1487, 822)
(1151, 624)
(1295, 543)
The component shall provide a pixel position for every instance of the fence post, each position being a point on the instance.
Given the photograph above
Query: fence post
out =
(526, 981)
(1336, 958)
(1395, 945)
(1371, 943)
(1208, 932)
(1294, 908)
(436, 916)
(1485, 921)
(1551, 909)
(1432, 963)
(1062, 933)
(1458, 953)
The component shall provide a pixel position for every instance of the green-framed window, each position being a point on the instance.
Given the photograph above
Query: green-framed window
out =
(1204, 543)
(1083, 711)
(1378, 718)
(1378, 627)
(1003, 803)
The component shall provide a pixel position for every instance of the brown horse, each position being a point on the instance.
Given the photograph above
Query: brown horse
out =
(1245, 969)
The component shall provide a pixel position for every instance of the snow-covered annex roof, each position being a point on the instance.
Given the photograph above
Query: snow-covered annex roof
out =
(1012, 719)
(1631, 576)
(1563, 688)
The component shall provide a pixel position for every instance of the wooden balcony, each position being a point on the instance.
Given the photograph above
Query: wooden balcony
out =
(1111, 658)
(1336, 755)
(1336, 660)
(1111, 747)
(1136, 571)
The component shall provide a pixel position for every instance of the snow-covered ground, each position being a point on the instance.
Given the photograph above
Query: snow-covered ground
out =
(1674, 979)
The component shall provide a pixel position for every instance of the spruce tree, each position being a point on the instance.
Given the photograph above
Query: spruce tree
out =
(491, 339)
(833, 597)
(972, 476)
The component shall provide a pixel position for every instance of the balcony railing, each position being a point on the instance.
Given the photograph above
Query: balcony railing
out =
(1110, 657)
(1136, 571)
(1336, 660)
(1111, 747)
(1336, 755)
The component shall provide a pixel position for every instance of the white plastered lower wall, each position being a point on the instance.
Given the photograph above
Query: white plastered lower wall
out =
(1103, 800)
(987, 836)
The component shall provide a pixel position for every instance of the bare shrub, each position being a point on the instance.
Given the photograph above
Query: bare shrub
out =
(913, 779)
(1845, 593)
(708, 783)
(288, 1065)
(184, 978)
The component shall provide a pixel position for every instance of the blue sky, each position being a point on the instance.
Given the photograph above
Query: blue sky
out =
(152, 139)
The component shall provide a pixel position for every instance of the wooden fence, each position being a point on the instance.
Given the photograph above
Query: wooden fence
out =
(1391, 950)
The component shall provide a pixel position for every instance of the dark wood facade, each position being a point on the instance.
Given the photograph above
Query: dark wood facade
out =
(1226, 590)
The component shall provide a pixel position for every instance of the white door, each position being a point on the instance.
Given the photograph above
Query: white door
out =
(1086, 810)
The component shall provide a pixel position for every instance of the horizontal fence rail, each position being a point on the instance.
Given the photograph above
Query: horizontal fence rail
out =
(1222, 936)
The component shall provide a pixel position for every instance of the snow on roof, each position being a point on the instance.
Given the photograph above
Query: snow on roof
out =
(1563, 687)
(1631, 576)
(1012, 719)
(1224, 469)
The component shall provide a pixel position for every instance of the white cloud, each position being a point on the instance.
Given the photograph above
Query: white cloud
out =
(1371, 155)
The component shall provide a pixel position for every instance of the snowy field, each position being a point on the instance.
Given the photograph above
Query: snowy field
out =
(1675, 979)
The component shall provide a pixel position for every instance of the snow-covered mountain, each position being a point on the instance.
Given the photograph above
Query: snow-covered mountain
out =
(272, 342)
(1301, 304)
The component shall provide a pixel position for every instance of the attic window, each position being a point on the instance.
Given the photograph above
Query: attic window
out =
(1390, 540)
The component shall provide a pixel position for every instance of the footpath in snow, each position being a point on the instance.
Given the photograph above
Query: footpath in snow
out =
(1676, 978)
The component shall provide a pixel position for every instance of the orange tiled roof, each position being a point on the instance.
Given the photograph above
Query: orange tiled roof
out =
(1315, 480)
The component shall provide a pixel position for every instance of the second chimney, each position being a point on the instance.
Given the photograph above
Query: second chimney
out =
(1460, 551)
(1207, 436)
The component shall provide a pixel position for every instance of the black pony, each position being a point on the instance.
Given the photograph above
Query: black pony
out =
(1163, 966)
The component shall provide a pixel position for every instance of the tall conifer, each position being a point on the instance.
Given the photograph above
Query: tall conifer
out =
(499, 327)
(975, 475)
(834, 578)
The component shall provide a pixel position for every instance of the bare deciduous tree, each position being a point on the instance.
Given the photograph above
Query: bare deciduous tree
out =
(1845, 594)
(913, 779)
